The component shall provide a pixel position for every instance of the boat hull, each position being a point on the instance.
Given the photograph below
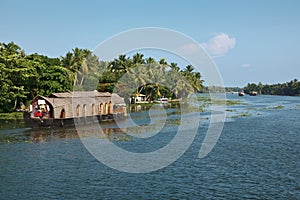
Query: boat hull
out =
(51, 122)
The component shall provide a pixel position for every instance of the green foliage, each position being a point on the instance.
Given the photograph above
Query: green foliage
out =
(11, 116)
(44, 60)
(55, 79)
(25, 76)
(289, 88)
(153, 78)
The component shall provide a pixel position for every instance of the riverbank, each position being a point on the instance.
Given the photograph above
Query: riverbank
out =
(11, 116)
(11, 120)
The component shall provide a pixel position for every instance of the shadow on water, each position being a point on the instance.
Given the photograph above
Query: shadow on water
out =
(37, 135)
(11, 123)
(146, 106)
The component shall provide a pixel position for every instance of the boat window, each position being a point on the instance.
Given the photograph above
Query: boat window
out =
(93, 109)
(77, 110)
(104, 108)
(84, 110)
(100, 108)
(62, 113)
(109, 110)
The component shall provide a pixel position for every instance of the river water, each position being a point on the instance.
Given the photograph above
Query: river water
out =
(256, 157)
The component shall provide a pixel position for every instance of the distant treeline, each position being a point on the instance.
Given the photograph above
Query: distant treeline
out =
(291, 88)
(25, 76)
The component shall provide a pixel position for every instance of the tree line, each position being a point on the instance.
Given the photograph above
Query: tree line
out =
(25, 76)
(139, 75)
(291, 88)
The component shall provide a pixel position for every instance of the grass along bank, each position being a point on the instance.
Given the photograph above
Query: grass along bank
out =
(11, 116)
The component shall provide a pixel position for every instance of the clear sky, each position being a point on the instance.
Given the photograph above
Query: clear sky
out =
(249, 40)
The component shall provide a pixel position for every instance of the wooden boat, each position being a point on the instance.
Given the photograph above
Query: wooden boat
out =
(162, 100)
(69, 108)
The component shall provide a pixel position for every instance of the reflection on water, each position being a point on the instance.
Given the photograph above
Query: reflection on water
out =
(29, 135)
(11, 123)
(147, 106)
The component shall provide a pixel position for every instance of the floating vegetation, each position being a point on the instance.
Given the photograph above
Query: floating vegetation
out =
(250, 108)
(278, 107)
(243, 114)
(192, 108)
(231, 102)
(174, 121)
(118, 137)
(274, 108)
(230, 110)
(203, 98)
(208, 100)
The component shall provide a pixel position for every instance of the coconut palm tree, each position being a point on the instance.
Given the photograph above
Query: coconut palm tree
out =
(174, 66)
(163, 62)
(138, 59)
(121, 64)
(150, 60)
(76, 61)
(189, 68)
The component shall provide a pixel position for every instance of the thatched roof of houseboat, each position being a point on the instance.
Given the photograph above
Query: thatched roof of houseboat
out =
(116, 99)
(82, 97)
(78, 94)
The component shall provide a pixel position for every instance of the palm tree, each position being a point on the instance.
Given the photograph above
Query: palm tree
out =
(174, 67)
(120, 65)
(138, 58)
(189, 68)
(163, 62)
(150, 60)
(67, 61)
(76, 61)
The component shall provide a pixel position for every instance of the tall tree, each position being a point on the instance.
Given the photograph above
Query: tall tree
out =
(174, 66)
(138, 59)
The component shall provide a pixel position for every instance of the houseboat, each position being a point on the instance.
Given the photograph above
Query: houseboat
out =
(69, 108)
(138, 98)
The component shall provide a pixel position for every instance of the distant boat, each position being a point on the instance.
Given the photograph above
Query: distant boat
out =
(241, 93)
(253, 93)
(162, 100)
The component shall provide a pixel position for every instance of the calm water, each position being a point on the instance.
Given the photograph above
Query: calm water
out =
(256, 157)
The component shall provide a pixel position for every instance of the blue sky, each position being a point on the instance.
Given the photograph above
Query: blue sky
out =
(250, 40)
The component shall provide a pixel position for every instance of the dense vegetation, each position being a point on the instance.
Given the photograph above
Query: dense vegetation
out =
(155, 79)
(289, 88)
(24, 76)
